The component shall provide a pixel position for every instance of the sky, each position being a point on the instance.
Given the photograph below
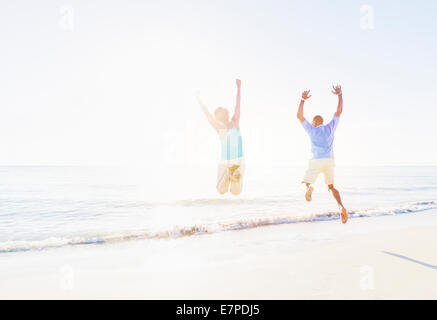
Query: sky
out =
(113, 82)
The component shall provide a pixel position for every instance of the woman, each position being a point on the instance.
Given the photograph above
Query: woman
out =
(231, 166)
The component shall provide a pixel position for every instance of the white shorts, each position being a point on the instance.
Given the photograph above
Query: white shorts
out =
(317, 166)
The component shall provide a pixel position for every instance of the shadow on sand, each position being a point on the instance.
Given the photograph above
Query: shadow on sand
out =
(410, 259)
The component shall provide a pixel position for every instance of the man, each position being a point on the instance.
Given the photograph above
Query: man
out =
(322, 139)
(231, 166)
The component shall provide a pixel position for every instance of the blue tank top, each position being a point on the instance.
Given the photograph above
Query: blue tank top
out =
(232, 144)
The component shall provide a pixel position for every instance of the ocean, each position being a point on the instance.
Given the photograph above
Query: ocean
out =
(51, 207)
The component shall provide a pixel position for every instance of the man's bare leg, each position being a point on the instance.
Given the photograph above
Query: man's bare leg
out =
(308, 194)
(336, 195)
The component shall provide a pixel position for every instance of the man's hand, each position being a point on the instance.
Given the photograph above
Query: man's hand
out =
(238, 82)
(306, 95)
(337, 90)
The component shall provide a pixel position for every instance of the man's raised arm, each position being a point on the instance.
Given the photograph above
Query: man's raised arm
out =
(305, 96)
(337, 91)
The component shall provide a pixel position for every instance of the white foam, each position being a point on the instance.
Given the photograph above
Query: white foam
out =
(208, 228)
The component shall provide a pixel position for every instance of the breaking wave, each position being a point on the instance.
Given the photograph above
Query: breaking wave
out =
(227, 225)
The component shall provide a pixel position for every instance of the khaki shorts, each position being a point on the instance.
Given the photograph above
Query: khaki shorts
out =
(222, 170)
(317, 166)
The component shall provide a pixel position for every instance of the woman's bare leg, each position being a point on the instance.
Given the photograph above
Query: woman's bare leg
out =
(236, 188)
(223, 180)
(236, 173)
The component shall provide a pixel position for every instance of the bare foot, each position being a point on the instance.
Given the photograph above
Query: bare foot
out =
(309, 193)
(344, 215)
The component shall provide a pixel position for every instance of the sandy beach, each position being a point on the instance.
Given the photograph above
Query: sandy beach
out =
(397, 261)
(190, 150)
